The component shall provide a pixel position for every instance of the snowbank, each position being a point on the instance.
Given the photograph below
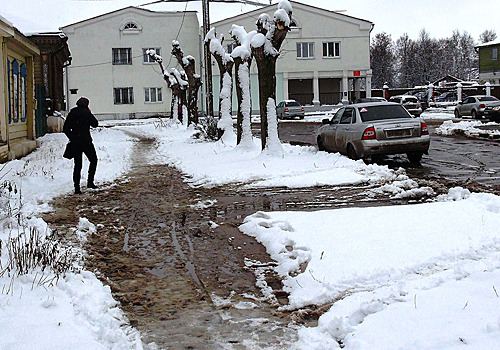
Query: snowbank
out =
(37, 310)
(377, 259)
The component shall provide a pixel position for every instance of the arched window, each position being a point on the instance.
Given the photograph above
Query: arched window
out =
(130, 25)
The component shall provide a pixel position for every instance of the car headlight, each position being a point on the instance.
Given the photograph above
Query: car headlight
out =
(496, 108)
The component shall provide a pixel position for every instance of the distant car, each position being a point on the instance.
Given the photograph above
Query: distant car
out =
(449, 96)
(411, 103)
(369, 99)
(423, 97)
(289, 109)
(493, 113)
(373, 129)
(474, 106)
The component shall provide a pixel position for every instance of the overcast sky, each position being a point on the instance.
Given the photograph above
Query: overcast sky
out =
(395, 17)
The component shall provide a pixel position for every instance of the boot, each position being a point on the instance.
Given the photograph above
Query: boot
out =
(91, 185)
(77, 190)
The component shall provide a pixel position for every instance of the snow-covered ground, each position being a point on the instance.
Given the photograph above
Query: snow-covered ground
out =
(470, 128)
(412, 277)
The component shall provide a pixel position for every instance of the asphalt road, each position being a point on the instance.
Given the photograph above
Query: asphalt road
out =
(454, 160)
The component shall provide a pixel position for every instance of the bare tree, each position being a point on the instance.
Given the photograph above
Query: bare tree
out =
(194, 80)
(225, 63)
(242, 57)
(487, 36)
(265, 48)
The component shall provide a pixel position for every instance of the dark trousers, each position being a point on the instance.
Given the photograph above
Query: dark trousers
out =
(91, 155)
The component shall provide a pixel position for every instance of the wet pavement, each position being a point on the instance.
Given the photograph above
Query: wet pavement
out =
(452, 160)
(184, 274)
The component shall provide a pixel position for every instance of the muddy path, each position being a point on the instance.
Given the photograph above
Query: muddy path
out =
(185, 276)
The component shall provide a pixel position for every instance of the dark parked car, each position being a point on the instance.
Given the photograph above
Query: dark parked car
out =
(493, 113)
(372, 129)
(475, 106)
(289, 109)
(449, 96)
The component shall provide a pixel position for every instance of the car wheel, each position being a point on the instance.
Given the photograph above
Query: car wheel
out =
(415, 157)
(457, 113)
(351, 152)
(321, 147)
(473, 114)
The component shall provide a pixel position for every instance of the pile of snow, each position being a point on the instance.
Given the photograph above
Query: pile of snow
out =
(467, 128)
(415, 276)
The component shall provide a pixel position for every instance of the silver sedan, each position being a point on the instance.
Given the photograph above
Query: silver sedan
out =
(373, 129)
(475, 106)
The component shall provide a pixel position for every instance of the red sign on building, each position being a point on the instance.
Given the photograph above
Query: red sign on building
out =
(356, 73)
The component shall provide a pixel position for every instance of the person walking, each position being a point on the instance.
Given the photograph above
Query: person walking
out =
(77, 129)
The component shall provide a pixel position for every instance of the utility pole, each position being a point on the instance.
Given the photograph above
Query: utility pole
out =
(208, 60)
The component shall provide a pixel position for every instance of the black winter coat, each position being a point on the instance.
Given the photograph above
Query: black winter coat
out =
(78, 123)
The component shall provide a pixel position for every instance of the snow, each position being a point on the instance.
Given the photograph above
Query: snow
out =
(467, 128)
(408, 277)
(282, 15)
(285, 5)
(273, 145)
(415, 276)
(78, 312)
(239, 34)
(258, 40)
(226, 122)
(246, 141)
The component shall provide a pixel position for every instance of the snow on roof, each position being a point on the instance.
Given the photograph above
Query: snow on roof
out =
(494, 42)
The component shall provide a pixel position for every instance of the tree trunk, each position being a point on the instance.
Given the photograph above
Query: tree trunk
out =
(266, 65)
(188, 64)
(242, 77)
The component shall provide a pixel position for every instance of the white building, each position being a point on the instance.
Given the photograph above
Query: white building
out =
(110, 66)
(325, 57)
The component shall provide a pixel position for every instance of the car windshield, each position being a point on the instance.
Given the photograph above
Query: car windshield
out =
(292, 104)
(487, 98)
(374, 113)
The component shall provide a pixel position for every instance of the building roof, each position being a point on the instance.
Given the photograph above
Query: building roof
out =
(133, 8)
(490, 43)
(299, 4)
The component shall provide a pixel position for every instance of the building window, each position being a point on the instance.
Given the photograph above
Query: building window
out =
(331, 49)
(124, 96)
(231, 47)
(122, 56)
(494, 54)
(152, 95)
(305, 50)
(130, 26)
(148, 59)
